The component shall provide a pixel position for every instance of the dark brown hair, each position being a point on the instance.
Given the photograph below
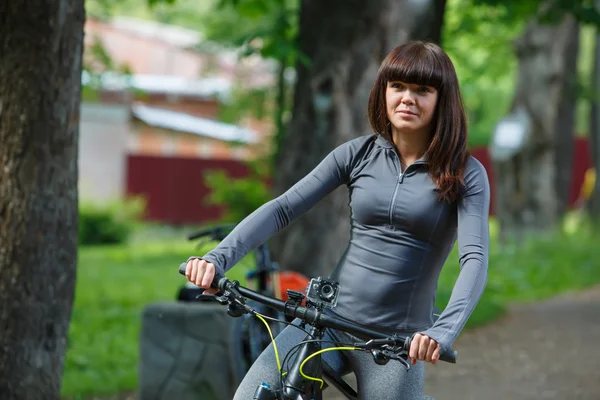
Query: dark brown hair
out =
(425, 63)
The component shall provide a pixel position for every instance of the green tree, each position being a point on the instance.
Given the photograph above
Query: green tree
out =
(177, 12)
(260, 27)
(533, 182)
(478, 38)
(40, 76)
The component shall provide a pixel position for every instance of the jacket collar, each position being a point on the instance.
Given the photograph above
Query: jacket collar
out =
(383, 142)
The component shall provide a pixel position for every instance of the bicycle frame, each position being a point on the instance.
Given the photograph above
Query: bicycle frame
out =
(294, 386)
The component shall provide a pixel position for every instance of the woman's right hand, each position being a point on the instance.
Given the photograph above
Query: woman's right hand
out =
(201, 273)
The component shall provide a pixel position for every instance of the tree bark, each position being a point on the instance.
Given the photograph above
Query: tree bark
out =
(346, 42)
(593, 205)
(41, 46)
(530, 187)
(430, 17)
(565, 121)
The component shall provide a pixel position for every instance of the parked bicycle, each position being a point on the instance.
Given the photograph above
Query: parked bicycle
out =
(307, 377)
(247, 335)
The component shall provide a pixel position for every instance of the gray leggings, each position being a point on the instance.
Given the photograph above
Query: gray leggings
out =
(390, 381)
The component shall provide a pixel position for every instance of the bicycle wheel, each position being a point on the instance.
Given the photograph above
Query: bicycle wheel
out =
(238, 349)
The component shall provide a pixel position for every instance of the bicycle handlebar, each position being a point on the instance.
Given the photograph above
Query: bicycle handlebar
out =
(317, 317)
(215, 230)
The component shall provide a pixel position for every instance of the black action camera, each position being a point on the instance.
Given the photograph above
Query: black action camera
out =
(323, 292)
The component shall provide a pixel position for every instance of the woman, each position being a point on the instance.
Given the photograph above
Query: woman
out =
(414, 190)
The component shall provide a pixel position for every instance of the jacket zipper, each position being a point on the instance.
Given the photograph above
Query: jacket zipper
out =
(398, 182)
(395, 191)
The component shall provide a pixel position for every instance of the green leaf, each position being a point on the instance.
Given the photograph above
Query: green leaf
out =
(252, 8)
(152, 3)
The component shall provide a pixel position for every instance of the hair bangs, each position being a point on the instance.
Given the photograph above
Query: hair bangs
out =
(416, 65)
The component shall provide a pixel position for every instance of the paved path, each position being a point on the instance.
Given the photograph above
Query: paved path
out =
(547, 350)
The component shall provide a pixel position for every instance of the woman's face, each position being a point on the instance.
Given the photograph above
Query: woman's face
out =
(410, 107)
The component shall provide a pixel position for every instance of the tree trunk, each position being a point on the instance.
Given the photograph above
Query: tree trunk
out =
(529, 189)
(40, 74)
(594, 202)
(430, 17)
(346, 42)
(565, 121)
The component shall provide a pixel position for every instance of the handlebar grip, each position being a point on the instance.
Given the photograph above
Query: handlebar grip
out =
(216, 280)
(182, 268)
(449, 356)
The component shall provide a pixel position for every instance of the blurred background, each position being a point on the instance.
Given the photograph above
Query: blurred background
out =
(194, 113)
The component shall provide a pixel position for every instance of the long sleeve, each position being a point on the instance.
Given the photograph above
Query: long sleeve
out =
(276, 214)
(473, 250)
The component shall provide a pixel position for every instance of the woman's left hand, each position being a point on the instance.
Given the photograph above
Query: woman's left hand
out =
(424, 348)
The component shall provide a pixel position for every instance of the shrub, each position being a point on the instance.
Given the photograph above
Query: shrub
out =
(109, 223)
(241, 196)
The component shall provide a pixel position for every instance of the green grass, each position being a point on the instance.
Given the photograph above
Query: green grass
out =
(115, 283)
(539, 268)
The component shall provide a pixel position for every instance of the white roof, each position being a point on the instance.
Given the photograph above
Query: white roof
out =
(183, 122)
(164, 84)
(174, 35)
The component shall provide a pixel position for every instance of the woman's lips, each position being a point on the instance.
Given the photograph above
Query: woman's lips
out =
(406, 112)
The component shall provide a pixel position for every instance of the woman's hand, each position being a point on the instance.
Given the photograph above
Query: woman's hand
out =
(201, 273)
(423, 348)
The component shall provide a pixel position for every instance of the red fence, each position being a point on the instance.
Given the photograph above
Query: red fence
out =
(581, 162)
(175, 189)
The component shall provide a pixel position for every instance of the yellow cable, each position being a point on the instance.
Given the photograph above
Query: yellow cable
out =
(319, 352)
(272, 340)
(306, 359)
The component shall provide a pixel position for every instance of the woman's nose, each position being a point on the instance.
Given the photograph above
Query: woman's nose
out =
(407, 99)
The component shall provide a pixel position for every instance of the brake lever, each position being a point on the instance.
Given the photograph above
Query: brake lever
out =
(221, 299)
(236, 302)
(384, 354)
(402, 358)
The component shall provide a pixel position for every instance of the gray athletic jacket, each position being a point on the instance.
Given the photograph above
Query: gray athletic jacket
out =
(401, 235)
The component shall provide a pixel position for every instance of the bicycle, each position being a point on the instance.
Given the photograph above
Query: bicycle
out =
(247, 336)
(300, 381)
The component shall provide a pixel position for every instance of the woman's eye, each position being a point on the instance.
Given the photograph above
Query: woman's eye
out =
(423, 89)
